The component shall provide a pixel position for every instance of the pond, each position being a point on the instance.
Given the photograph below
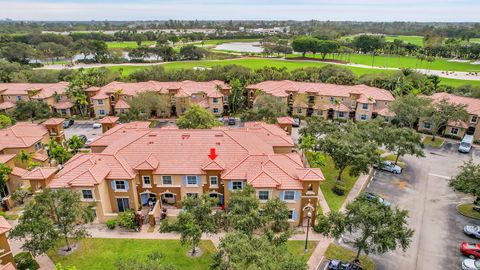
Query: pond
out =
(250, 47)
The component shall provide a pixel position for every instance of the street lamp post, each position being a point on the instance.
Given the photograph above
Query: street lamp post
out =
(309, 216)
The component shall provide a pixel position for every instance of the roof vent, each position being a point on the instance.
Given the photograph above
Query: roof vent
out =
(185, 136)
(150, 142)
(219, 135)
(152, 135)
(217, 143)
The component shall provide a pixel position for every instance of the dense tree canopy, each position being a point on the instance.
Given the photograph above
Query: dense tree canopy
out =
(197, 117)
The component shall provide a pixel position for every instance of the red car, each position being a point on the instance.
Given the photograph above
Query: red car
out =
(470, 250)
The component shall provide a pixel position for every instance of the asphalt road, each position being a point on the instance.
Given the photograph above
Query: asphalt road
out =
(423, 190)
(82, 129)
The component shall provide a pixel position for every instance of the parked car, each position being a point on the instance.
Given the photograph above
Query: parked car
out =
(97, 125)
(297, 122)
(470, 264)
(470, 250)
(83, 138)
(466, 144)
(232, 121)
(389, 167)
(68, 123)
(341, 265)
(88, 142)
(372, 197)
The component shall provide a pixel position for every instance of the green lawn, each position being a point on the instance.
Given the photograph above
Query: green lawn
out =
(437, 143)
(340, 253)
(393, 157)
(334, 201)
(257, 63)
(297, 248)
(417, 40)
(102, 253)
(221, 41)
(466, 209)
(127, 44)
(395, 61)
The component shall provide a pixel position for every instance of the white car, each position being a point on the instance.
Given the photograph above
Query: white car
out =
(470, 264)
(97, 125)
(471, 230)
(390, 167)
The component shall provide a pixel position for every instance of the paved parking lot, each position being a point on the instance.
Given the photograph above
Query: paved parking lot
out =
(423, 190)
(82, 129)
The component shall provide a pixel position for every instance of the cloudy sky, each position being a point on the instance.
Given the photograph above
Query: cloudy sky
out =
(361, 10)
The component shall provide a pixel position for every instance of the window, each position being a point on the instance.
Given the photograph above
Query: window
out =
(123, 204)
(320, 113)
(299, 110)
(341, 114)
(19, 98)
(87, 194)
(237, 185)
(193, 195)
(289, 195)
(166, 179)
(365, 106)
(215, 110)
(263, 195)
(363, 117)
(290, 214)
(474, 119)
(213, 181)
(310, 187)
(120, 185)
(122, 110)
(426, 125)
(225, 98)
(191, 180)
(168, 195)
(102, 112)
(146, 180)
(100, 102)
(38, 146)
(454, 131)
(311, 99)
(215, 100)
(332, 99)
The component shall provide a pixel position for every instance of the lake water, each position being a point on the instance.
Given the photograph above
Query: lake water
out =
(250, 47)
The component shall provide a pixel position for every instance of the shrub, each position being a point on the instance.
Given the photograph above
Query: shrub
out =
(111, 224)
(127, 220)
(24, 261)
(19, 195)
(339, 189)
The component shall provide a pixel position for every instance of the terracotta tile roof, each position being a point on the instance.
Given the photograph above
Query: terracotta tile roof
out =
(46, 90)
(4, 226)
(100, 95)
(6, 105)
(21, 135)
(472, 104)
(54, 121)
(366, 99)
(285, 120)
(203, 103)
(40, 156)
(122, 104)
(385, 112)
(243, 153)
(460, 124)
(92, 89)
(282, 88)
(109, 120)
(63, 105)
(40, 173)
(339, 108)
(6, 158)
(19, 171)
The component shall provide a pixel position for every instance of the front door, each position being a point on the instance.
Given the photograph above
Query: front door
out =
(122, 204)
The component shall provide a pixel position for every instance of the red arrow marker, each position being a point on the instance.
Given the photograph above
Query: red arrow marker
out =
(212, 155)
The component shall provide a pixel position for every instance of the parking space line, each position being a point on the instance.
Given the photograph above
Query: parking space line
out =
(441, 176)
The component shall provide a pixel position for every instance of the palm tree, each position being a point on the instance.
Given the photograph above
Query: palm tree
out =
(24, 157)
(75, 143)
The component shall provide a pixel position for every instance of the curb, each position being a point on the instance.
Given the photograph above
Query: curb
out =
(458, 211)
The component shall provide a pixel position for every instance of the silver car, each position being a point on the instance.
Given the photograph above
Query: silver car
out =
(390, 167)
(471, 230)
(470, 264)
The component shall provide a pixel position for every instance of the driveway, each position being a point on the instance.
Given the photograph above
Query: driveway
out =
(423, 190)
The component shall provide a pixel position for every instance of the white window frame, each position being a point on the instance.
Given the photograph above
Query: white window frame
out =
(362, 117)
(364, 106)
(192, 185)
(215, 110)
(88, 199)
(215, 100)
(285, 195)
(149, 180)
(100, 101)
(268, 195)
(236, 182)
(341, 114)
(190, 194)
(299, 110)
(101, 112)
(120, 189)
(320, 113)
(38, 146)
(427, 125)
(290, 213)
(474, 117)
(163, 180)
(331, 99)
(454, 129)
(216, 180)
